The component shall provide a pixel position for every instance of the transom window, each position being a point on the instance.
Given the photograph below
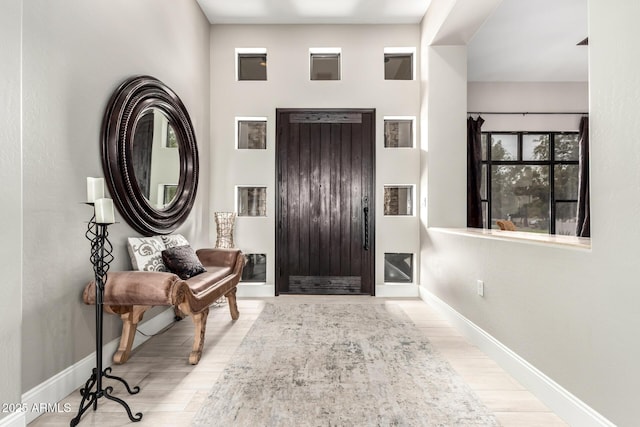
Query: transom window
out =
(251, 64)
(531, 179)
(324, 63)
(399, 63)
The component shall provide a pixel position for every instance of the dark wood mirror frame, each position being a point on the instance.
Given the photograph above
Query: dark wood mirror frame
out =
(129, 102)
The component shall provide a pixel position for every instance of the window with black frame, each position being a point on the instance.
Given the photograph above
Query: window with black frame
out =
(531, 179)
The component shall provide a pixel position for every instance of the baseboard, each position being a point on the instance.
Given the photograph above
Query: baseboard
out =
(63, 383)
(397, 291)
(571, 409)
(255, 290)
(16, 419)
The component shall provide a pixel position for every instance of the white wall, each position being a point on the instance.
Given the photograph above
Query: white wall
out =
(76, 53)
(288, 86)
(11, 212)
(551, 97)
(571, 313)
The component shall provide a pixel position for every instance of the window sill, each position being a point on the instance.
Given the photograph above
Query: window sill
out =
(572, 242)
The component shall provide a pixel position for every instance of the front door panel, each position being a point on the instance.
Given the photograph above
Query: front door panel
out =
(325, 215)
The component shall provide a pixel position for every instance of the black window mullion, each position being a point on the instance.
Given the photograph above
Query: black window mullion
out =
(551, 162)
(552, 184)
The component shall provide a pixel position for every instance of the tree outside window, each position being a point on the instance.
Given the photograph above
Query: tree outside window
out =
(531, 180)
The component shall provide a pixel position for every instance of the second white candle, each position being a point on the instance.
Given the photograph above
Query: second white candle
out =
(104, 211)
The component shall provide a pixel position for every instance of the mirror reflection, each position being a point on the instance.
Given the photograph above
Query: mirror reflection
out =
(156, 158)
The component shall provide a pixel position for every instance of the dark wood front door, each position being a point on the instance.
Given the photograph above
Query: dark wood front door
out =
(325, 201)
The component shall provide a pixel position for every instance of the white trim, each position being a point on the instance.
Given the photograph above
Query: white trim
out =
(397, 290)
(571, 409)
(541, 239)
(65, 382)
(322, 50)
(255, 290)
(17, 419)
(256, 50)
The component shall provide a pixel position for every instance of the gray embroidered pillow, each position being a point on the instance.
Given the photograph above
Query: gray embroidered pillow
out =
(146, 253)
(174, 240)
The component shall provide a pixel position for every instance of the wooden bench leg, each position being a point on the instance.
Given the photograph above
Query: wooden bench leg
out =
(233, 305)
(130, 320)
(200, 322)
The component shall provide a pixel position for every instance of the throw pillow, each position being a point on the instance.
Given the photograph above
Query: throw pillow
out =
(173, 240)
(146, 253)
(183, 261)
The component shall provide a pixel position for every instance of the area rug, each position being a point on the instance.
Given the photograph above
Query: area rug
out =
(339, 365)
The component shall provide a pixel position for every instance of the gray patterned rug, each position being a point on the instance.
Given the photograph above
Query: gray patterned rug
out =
(339, 365)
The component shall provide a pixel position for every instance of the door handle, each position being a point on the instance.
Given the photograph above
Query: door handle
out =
(365, 224)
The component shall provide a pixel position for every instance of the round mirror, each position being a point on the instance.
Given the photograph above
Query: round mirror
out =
(149, 155)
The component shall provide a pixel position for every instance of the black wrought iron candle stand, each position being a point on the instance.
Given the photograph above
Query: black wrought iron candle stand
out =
(101, 257)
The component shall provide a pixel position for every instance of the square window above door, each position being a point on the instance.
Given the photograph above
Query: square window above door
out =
(251, 64)
(399, 63)
(324, 63)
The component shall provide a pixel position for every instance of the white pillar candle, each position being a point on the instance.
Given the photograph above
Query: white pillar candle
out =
(104, 211)
(95, 189)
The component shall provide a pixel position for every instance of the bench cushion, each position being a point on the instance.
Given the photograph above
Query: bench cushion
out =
(135, 287)
(203, 281)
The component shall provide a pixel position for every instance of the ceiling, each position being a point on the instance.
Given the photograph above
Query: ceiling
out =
(532, 41)
(522, 40)
(314, 11)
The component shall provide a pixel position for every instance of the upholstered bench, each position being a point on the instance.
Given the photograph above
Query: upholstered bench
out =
(129, 294)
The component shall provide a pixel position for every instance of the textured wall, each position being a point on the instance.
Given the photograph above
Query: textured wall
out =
(76, 53)
(289, 86)
(571, 313)
(11, 212)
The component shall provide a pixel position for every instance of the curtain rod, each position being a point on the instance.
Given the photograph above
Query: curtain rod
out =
(524, 113)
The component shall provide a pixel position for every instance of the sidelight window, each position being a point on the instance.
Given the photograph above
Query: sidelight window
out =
(399, 132)
(251, 201)
(398, 200)
(251, 133)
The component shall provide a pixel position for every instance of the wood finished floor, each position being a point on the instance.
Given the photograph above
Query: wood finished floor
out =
(172, 390)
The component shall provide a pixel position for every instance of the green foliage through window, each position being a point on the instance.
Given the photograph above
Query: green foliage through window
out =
(531, 179)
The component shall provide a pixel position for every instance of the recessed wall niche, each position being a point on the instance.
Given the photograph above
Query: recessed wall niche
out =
(251, 201)
(399, 132)
(398, 267)
(251, 133)
(398, 200)
(255, 268)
